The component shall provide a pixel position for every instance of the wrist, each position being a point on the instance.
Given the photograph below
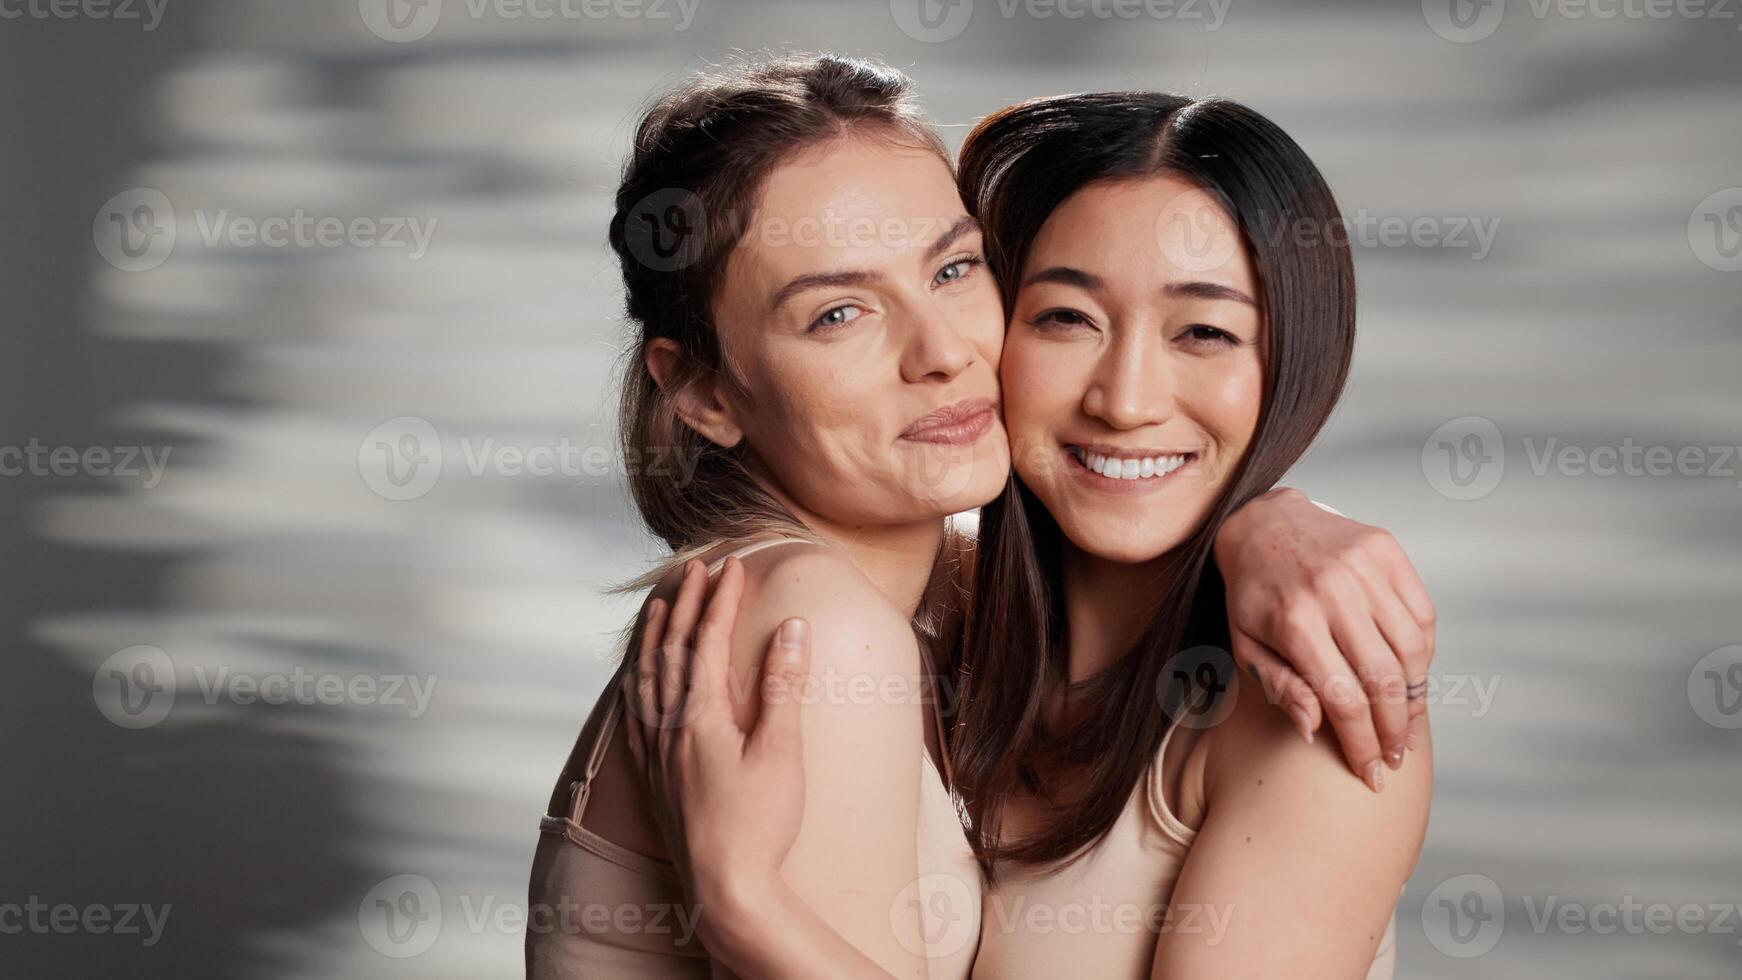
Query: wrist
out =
(1237, 528)
(733, 908)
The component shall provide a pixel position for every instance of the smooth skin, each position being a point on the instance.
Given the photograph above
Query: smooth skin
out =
(1128, 340)
(1123, 343)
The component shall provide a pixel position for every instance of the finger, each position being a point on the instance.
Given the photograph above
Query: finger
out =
(1406, 581)
(784, 669)
(641, 681)
(674, 647)
(1414, 650)
(1283, 688)
(711, 662)
(1417, 730)
(1318, 660)
(1408, 642)
(1392, 575)
(1381, 678)
(1411, 634)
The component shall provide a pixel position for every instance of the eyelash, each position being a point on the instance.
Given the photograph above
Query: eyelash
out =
(1218, 335)
(970, 262)
(1051, 319)
(1054, 319)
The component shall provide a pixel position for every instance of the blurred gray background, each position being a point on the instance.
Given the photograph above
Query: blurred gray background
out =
(305, 534)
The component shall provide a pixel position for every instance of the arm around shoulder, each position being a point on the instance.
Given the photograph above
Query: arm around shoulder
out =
(1298, 865)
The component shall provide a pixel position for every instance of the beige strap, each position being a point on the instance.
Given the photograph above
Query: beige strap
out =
(581, 789)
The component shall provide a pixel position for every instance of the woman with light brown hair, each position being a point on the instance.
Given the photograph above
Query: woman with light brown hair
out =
(837, 392)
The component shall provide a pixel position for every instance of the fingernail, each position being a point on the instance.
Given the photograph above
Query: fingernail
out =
(1301, 721)
(1375, 777)
(1394, 758)
(792, 635)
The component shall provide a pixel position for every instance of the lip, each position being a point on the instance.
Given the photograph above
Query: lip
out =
(1104, 484)
(956, 424)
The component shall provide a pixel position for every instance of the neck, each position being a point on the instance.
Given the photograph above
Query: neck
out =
(897, 558)
(1108, 604)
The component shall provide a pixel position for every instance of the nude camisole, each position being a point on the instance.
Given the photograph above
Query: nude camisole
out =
(1101, 916)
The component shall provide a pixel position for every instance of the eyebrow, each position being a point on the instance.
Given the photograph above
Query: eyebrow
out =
(857, 277)
(1064, 275)
(965, 224)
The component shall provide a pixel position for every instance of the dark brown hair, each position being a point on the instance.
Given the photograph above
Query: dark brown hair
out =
(1017, 167)
(700, 157)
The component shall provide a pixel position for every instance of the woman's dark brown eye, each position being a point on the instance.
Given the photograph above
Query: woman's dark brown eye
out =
(1205, 333)
(1060, 318)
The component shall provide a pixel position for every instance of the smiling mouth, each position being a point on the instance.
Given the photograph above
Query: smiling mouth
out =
(1129, 468)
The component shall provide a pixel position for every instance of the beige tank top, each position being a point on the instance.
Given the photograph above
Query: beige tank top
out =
(1101, 916)
(599, 911)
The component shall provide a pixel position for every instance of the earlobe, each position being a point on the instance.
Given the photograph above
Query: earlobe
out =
(696, 395)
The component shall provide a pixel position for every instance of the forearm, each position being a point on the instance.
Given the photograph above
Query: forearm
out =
(766, 930)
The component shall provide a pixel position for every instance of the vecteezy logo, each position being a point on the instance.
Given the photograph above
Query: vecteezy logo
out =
(1195, 237)
(402, 916)
(1463, 21)
(666, 230)
(401, 458)
(1715, 688)
(1465, 458)
(135, 687)
(948, 915)
(400, 21)
(1198, 686)
(135, 229)
(1464, 916)
(932, 21)
(1715, 230)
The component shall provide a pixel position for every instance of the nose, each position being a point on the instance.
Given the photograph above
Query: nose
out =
(935, 349)
(1132, 385)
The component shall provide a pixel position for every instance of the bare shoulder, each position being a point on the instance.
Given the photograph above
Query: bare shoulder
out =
(858, 634)
(853, 624)
(1255, 758)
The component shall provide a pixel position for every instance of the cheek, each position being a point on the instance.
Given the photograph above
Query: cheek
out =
(1043, 389)
(983, 324)
(815, 417)
(1231, 395)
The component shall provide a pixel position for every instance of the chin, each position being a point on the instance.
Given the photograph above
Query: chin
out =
(1120, 542)
(975, 486)
(962, 485)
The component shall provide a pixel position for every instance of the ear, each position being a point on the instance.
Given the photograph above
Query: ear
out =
(701, 403)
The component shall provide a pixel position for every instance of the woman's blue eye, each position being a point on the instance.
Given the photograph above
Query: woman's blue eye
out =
(956, 271)
(838, 316)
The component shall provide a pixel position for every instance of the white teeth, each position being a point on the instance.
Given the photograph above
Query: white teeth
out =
(1117, 468)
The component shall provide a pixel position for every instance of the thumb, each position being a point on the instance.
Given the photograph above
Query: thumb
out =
(783, 673)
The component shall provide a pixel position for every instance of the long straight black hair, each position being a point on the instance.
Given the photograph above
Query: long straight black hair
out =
(1017, 167)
